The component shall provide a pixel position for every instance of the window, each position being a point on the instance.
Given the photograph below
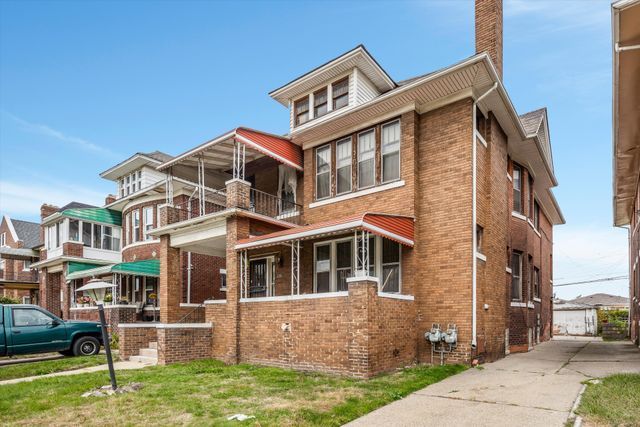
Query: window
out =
(58, 240)
(74, 230)
(121, 187)
(128, 184)
(391, 151)
(148, 222)
(366, 159)
(323, 172)
(516, 276)
(301, 111)
(127, 229)
(1, 264)
(390, 266)
(107, 238)
(344, 260)
(30, 317)
(479, 237)
(223, 279)
(343, 166)
(530, 284)
(340, 93)
(3, 239)
(517, 188)
(536, 215)
(320, 103)
(26, 265)
(323, 267)
(86, 234)
(536, 282)
(136, 226)
(97, 236)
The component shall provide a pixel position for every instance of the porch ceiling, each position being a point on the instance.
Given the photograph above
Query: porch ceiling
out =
(207, 238)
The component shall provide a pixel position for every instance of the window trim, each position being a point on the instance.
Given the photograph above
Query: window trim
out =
(519, 190)
(382, 154)
(358, 160)
(145, 226)
(296, 122)
(333, 97)
(323, 147)
(135, 236)
(517, 274)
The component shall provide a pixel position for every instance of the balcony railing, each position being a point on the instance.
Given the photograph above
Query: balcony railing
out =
(214, 201)
(274, 207)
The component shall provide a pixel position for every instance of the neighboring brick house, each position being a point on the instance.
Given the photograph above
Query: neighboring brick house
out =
(389, 206)
(19, 241)
(112, 244)
(626, 141)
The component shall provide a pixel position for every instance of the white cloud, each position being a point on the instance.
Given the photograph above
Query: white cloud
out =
(590, 252)
(23, 200)
(48, 131)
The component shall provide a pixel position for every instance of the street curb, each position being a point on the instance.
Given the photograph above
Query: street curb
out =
(576, 420)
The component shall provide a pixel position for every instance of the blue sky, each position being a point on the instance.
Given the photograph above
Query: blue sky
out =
(83, 85)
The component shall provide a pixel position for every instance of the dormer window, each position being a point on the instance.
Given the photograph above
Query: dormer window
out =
(301, 108)
(320, 103)
(130, 183)
(340, 93)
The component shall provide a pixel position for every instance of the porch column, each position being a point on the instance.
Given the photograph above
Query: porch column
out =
(362, 253)
(170, 283)
(295, 267)
(362, 294)
(238, 193)
(237, 228)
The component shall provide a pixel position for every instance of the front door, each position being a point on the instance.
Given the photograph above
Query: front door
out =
(258, 278)
(34, 330)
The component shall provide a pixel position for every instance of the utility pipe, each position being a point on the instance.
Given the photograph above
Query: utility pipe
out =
(474, 259)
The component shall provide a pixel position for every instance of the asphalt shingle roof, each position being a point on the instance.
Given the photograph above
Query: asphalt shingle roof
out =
(159, 156)
(601, 299)
(28, 232)
(75, 205)
(531, 120)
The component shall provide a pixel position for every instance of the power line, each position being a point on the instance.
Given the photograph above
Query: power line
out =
(604, 279)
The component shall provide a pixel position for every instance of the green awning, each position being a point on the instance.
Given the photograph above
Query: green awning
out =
(74, 266)
(105, 216)
(147, 267)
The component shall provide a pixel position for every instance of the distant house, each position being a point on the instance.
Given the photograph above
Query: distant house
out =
(603, 301)
(19, 241)
(571, 318)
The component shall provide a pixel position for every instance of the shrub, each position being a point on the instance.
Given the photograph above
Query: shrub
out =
(7, 300)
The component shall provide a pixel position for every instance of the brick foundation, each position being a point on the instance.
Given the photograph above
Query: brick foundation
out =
(135, 337)
(178, 343)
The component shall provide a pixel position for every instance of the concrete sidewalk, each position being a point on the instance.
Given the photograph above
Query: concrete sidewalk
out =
(537, 388)
(118, 366)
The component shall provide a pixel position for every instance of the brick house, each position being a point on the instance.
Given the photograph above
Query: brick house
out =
(389, 207)
(19, 241)
(626, 141)
(112, 243)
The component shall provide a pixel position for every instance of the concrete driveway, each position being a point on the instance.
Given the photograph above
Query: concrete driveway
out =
(537, 388)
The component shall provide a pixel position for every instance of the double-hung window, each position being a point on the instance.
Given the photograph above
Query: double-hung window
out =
(127, 229)
(136, 226)
(340, 93)
(536, 215)
(517, 188)
(366, 159)
(97, 236)
(390, 266)
(516, 276)
(323, 172)
(344, 263)
(323, 267)
(320, 103)
(301, 110)
(3, 239)
(86, 234)
(343, 166)
(536, 282)
(391, 151)
(148, 222)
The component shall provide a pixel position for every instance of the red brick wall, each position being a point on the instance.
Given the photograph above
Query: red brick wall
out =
(50, 286)
(183, 344)
(131, 340)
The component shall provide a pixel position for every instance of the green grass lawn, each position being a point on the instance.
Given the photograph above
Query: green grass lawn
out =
(30, 369)
(207, 392)
(614, 401)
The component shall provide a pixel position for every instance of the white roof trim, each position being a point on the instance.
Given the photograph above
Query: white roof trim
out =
(195, 150)
(12, 230)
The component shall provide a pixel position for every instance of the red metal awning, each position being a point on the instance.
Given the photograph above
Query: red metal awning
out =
(393, 227)
(273, 146)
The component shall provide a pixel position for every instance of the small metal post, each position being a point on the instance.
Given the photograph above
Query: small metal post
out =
(107, 347)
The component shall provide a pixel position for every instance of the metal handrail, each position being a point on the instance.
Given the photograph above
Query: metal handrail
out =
(274, 206)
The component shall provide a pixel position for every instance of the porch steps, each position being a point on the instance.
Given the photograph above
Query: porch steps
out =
(148, 356)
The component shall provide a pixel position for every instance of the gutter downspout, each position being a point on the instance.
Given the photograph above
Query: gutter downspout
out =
(474, 172)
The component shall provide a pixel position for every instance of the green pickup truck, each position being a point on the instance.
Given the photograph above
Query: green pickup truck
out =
(28, 329)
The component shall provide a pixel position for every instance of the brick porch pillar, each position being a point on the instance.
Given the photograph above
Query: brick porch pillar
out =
(170, 283)
(362, 294)
(238, 193)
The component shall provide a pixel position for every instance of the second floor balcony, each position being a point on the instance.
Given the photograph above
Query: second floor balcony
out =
(267, 167)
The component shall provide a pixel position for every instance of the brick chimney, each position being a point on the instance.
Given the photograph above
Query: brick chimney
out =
(109, 199)
(489, 31)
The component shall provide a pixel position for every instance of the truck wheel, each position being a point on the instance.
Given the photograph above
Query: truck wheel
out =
(86, 346)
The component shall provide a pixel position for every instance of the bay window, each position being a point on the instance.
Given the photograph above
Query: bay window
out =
(320, 103)
(301, 110)
(391, 151)
(323, 172)
(148, 222)
(340, 93)
(516, 276)
(343, 166)
(366, 159)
